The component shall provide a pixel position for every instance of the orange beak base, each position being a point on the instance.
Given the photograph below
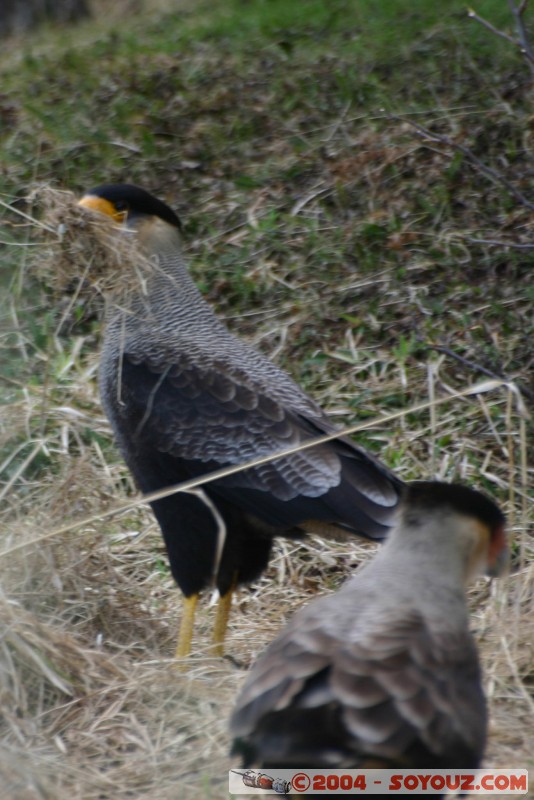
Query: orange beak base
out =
(102, 206)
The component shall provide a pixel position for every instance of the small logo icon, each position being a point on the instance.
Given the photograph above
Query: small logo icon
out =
(301, 782)
(259, 780)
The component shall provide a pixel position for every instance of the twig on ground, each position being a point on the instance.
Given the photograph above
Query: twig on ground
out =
(473, 15)
(465, 361)
(526, 47)
(494, 176)
(474, 366)
(498, 243)
(522, 42)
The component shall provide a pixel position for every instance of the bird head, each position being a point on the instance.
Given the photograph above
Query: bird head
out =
(478, 523)
(128, 204)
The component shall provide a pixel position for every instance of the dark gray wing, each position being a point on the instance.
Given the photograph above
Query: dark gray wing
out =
(208, 410)
(397, 694)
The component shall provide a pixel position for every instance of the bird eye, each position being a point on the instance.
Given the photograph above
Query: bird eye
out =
(121, 205)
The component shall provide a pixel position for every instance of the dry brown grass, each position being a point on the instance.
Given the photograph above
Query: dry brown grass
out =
(85, 257)
(92, 703)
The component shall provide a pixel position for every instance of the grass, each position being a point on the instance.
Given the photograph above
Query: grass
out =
(363, 254)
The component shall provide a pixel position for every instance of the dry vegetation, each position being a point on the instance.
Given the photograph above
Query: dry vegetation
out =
(363, 254)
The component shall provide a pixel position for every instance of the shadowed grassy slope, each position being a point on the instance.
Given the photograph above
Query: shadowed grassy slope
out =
(278, 115)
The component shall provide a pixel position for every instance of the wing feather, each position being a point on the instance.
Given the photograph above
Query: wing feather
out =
(202, 414)
(396, 693)
(203, 409)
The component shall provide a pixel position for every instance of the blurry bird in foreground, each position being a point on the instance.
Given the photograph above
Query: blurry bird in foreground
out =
(384, 673)
(185, 397)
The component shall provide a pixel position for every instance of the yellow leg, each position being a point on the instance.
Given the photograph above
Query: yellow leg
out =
(183, 648)
(221, 621)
